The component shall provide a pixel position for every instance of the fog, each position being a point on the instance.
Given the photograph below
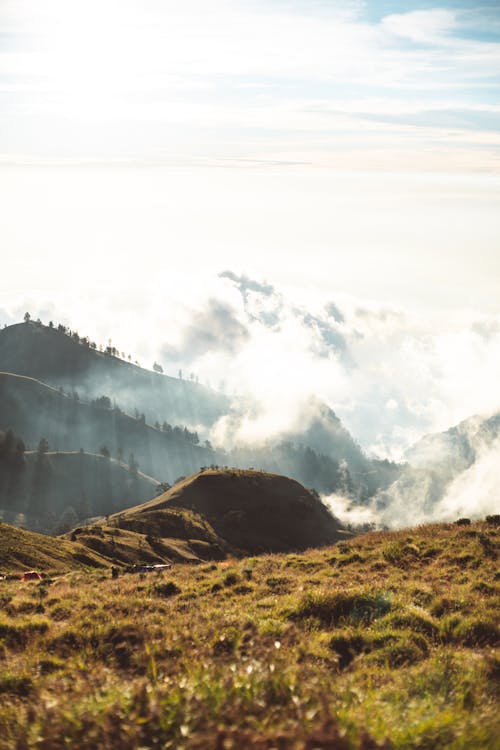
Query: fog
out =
(351, 378)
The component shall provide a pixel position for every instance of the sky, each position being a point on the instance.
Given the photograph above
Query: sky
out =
(340, 152)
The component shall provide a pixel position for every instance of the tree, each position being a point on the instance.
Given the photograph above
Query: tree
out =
(104, 451)
(27, 317)
(43, 446)
(133, 466)
(42, 473)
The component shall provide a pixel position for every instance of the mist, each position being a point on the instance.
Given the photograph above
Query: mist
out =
(449, 487)
(251, 365)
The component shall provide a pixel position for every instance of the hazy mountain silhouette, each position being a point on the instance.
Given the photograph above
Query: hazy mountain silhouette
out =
(60, 359)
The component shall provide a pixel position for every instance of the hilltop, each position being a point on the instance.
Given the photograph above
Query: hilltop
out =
(386, 642)
(252, 511)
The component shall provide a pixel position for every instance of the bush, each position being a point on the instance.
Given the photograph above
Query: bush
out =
(493, 520)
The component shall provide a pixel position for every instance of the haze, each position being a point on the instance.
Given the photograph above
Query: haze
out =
(344, 153)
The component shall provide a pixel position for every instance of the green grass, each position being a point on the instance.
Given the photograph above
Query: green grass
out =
(397, 649)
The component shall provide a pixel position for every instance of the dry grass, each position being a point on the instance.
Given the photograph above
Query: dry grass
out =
(389, 641)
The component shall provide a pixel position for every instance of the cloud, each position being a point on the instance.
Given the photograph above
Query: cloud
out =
(215, 329)
(423, 26)
(391, 375)
(194, 71)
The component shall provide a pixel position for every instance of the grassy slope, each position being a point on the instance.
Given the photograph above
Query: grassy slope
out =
(388, 641)
(21, 550)
(124, 547)
(94, 546)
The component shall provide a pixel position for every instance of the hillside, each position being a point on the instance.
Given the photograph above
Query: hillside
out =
(35, 410)
(23, 550)
(53, 491)
(387, 642)
(59, 359)
(252, 511)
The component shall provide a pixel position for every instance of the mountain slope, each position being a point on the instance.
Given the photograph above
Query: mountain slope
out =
(251, 511)
(49, 491)
(53, 356)
(35, 410)
(448, 474)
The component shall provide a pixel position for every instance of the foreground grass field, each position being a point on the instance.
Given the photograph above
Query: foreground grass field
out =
(387, 641)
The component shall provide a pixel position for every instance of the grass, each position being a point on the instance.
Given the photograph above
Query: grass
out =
(396, 649)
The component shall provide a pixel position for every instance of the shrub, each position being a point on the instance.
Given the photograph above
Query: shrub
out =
(493, 520)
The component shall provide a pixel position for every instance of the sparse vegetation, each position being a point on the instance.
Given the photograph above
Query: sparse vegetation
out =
(397, 649)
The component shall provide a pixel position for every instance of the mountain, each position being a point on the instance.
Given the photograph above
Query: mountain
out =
(250, 511)
(61, 358)
(457, 448)
(447, 474)
(57, 386)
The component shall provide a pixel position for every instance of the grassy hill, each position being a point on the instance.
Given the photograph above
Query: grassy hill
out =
(388, 641)
(104, 545)
(22, 550)
(252, 511)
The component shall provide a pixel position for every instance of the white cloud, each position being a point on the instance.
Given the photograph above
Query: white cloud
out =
(254, 72)
(426, 26)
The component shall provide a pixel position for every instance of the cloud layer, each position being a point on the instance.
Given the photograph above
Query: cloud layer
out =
(338, 83)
